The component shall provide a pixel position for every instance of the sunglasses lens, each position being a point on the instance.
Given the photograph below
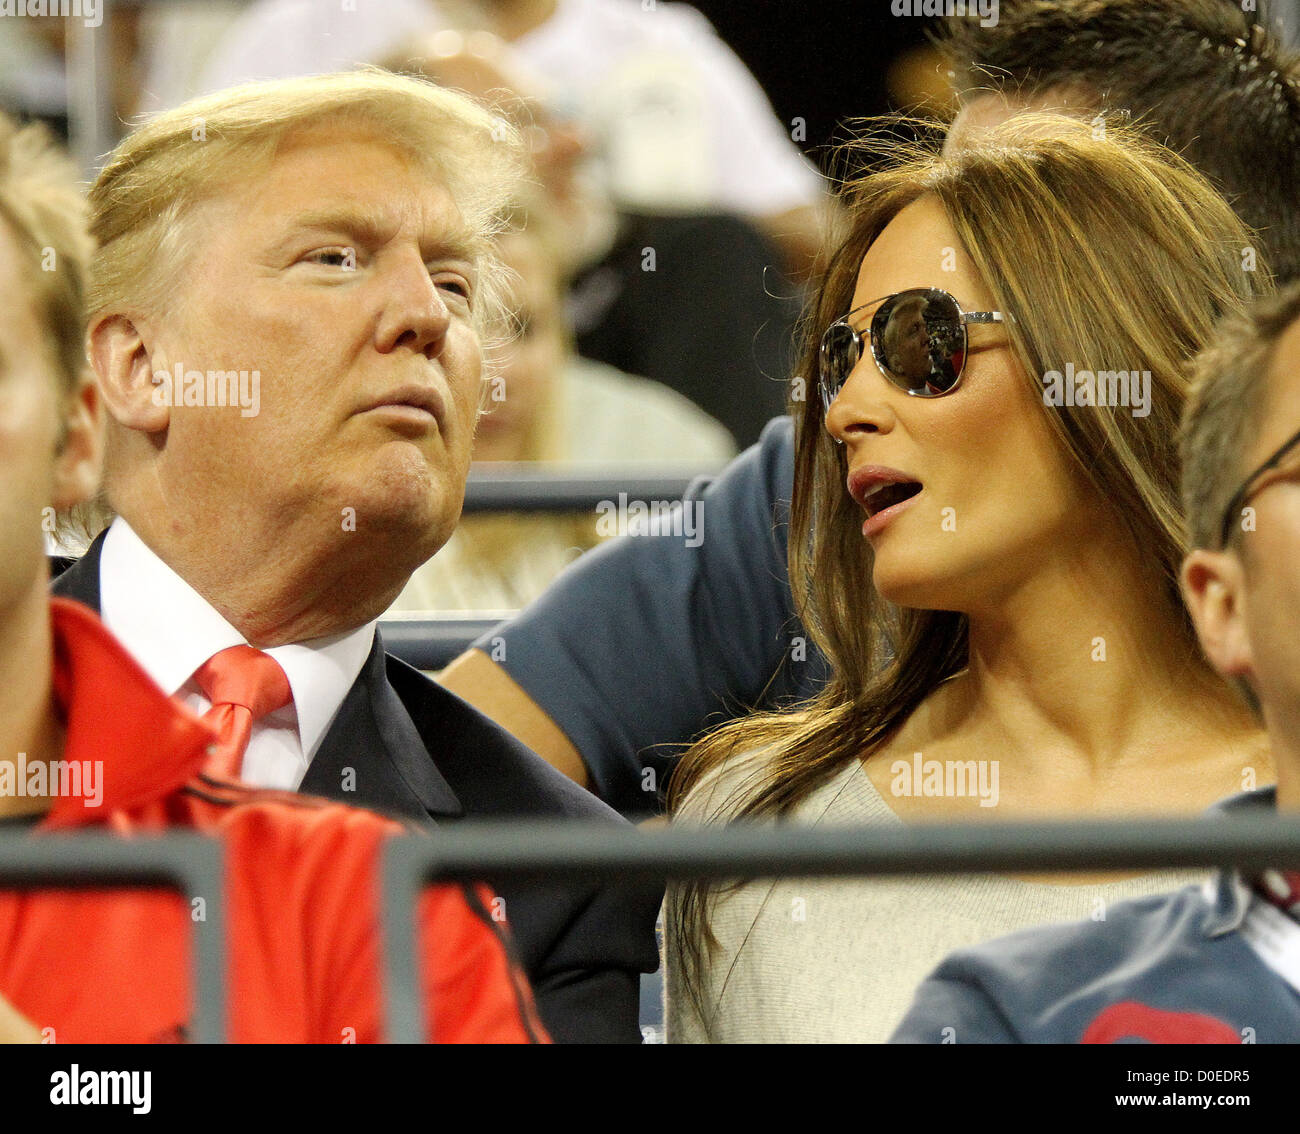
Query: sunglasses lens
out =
(839, 355)
(919, 341)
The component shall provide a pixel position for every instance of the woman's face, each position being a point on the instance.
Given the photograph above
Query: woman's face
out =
(998, 499)
(529, 365)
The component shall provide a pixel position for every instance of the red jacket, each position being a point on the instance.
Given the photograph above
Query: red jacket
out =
(302, 892)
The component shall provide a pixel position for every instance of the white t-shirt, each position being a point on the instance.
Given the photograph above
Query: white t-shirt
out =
(280, 39)
(680, 122)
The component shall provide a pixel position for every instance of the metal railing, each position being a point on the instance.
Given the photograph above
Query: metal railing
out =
(193, 865)
(496, 851)
(432, 643)
(189, 863)
(530, 488)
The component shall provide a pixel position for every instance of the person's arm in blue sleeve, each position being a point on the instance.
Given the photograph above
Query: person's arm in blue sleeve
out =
(648, 640)
(949, 1007)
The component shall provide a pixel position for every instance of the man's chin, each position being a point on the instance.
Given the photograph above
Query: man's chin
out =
(404, 518)
(410, 521)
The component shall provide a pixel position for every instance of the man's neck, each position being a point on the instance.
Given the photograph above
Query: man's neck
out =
(280, 588)
(29, 723)
(1286, 758)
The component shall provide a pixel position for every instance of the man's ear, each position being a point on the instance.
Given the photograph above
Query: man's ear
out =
(79, 459)
(124, 366)
(1212, 585)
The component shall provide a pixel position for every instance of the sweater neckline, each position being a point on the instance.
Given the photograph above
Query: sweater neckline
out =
(853, 797)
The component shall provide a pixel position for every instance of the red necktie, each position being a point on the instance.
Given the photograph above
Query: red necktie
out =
(243, 685)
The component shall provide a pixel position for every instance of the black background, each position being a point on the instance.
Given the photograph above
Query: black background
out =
(824, 61)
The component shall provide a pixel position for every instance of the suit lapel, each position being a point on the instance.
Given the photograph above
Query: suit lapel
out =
(373, 756)
(80, 582)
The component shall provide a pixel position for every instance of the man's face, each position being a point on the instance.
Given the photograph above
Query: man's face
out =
(1268, 603)
(1245, 599)
(342, 275)
(532, 362)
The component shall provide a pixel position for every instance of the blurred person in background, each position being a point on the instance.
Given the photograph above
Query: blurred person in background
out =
(484, 66)
(990, 567)
(34, 53)
(680, 123)
(548, 405)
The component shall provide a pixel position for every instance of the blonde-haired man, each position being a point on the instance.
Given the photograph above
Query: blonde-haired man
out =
(87, 741)
(287, 313)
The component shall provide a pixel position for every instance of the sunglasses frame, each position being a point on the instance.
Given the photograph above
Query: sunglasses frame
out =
(964, 319)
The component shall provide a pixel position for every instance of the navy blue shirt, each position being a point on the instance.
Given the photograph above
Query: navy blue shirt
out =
(1170, 968)
(648, 641)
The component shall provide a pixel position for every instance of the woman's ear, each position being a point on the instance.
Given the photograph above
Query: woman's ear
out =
(79, 456)
(124, 365)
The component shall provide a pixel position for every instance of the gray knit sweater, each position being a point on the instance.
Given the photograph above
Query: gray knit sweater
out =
(835, 960)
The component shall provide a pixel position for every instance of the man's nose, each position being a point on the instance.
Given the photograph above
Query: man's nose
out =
(415, 314)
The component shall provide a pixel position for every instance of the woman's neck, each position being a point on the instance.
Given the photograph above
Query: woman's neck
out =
(1089, 678)
(1085, 684)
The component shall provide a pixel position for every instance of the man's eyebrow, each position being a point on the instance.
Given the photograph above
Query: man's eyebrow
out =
(457, 242)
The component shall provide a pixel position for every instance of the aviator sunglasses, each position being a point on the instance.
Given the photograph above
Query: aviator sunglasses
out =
(918, 339)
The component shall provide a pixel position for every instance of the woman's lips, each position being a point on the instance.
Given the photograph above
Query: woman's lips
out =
(874, 523)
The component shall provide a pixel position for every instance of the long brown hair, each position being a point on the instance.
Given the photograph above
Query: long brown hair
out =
(1100, 244)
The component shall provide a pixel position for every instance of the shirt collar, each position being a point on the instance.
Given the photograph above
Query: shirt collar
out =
(1227, 893)
(141, 744)
(143, 602)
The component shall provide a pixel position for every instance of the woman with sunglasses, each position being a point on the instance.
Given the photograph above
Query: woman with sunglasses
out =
(992, 574)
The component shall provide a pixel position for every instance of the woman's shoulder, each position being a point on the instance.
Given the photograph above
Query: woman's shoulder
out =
(721, 793)
(722, 790)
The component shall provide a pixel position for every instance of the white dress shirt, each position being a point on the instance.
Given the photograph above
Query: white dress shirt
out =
(171, 630)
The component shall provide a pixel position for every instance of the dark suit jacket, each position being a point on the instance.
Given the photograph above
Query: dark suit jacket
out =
(419, 752)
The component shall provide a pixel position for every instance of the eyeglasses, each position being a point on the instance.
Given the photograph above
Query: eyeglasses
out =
(1247, 488)
(918, 339)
